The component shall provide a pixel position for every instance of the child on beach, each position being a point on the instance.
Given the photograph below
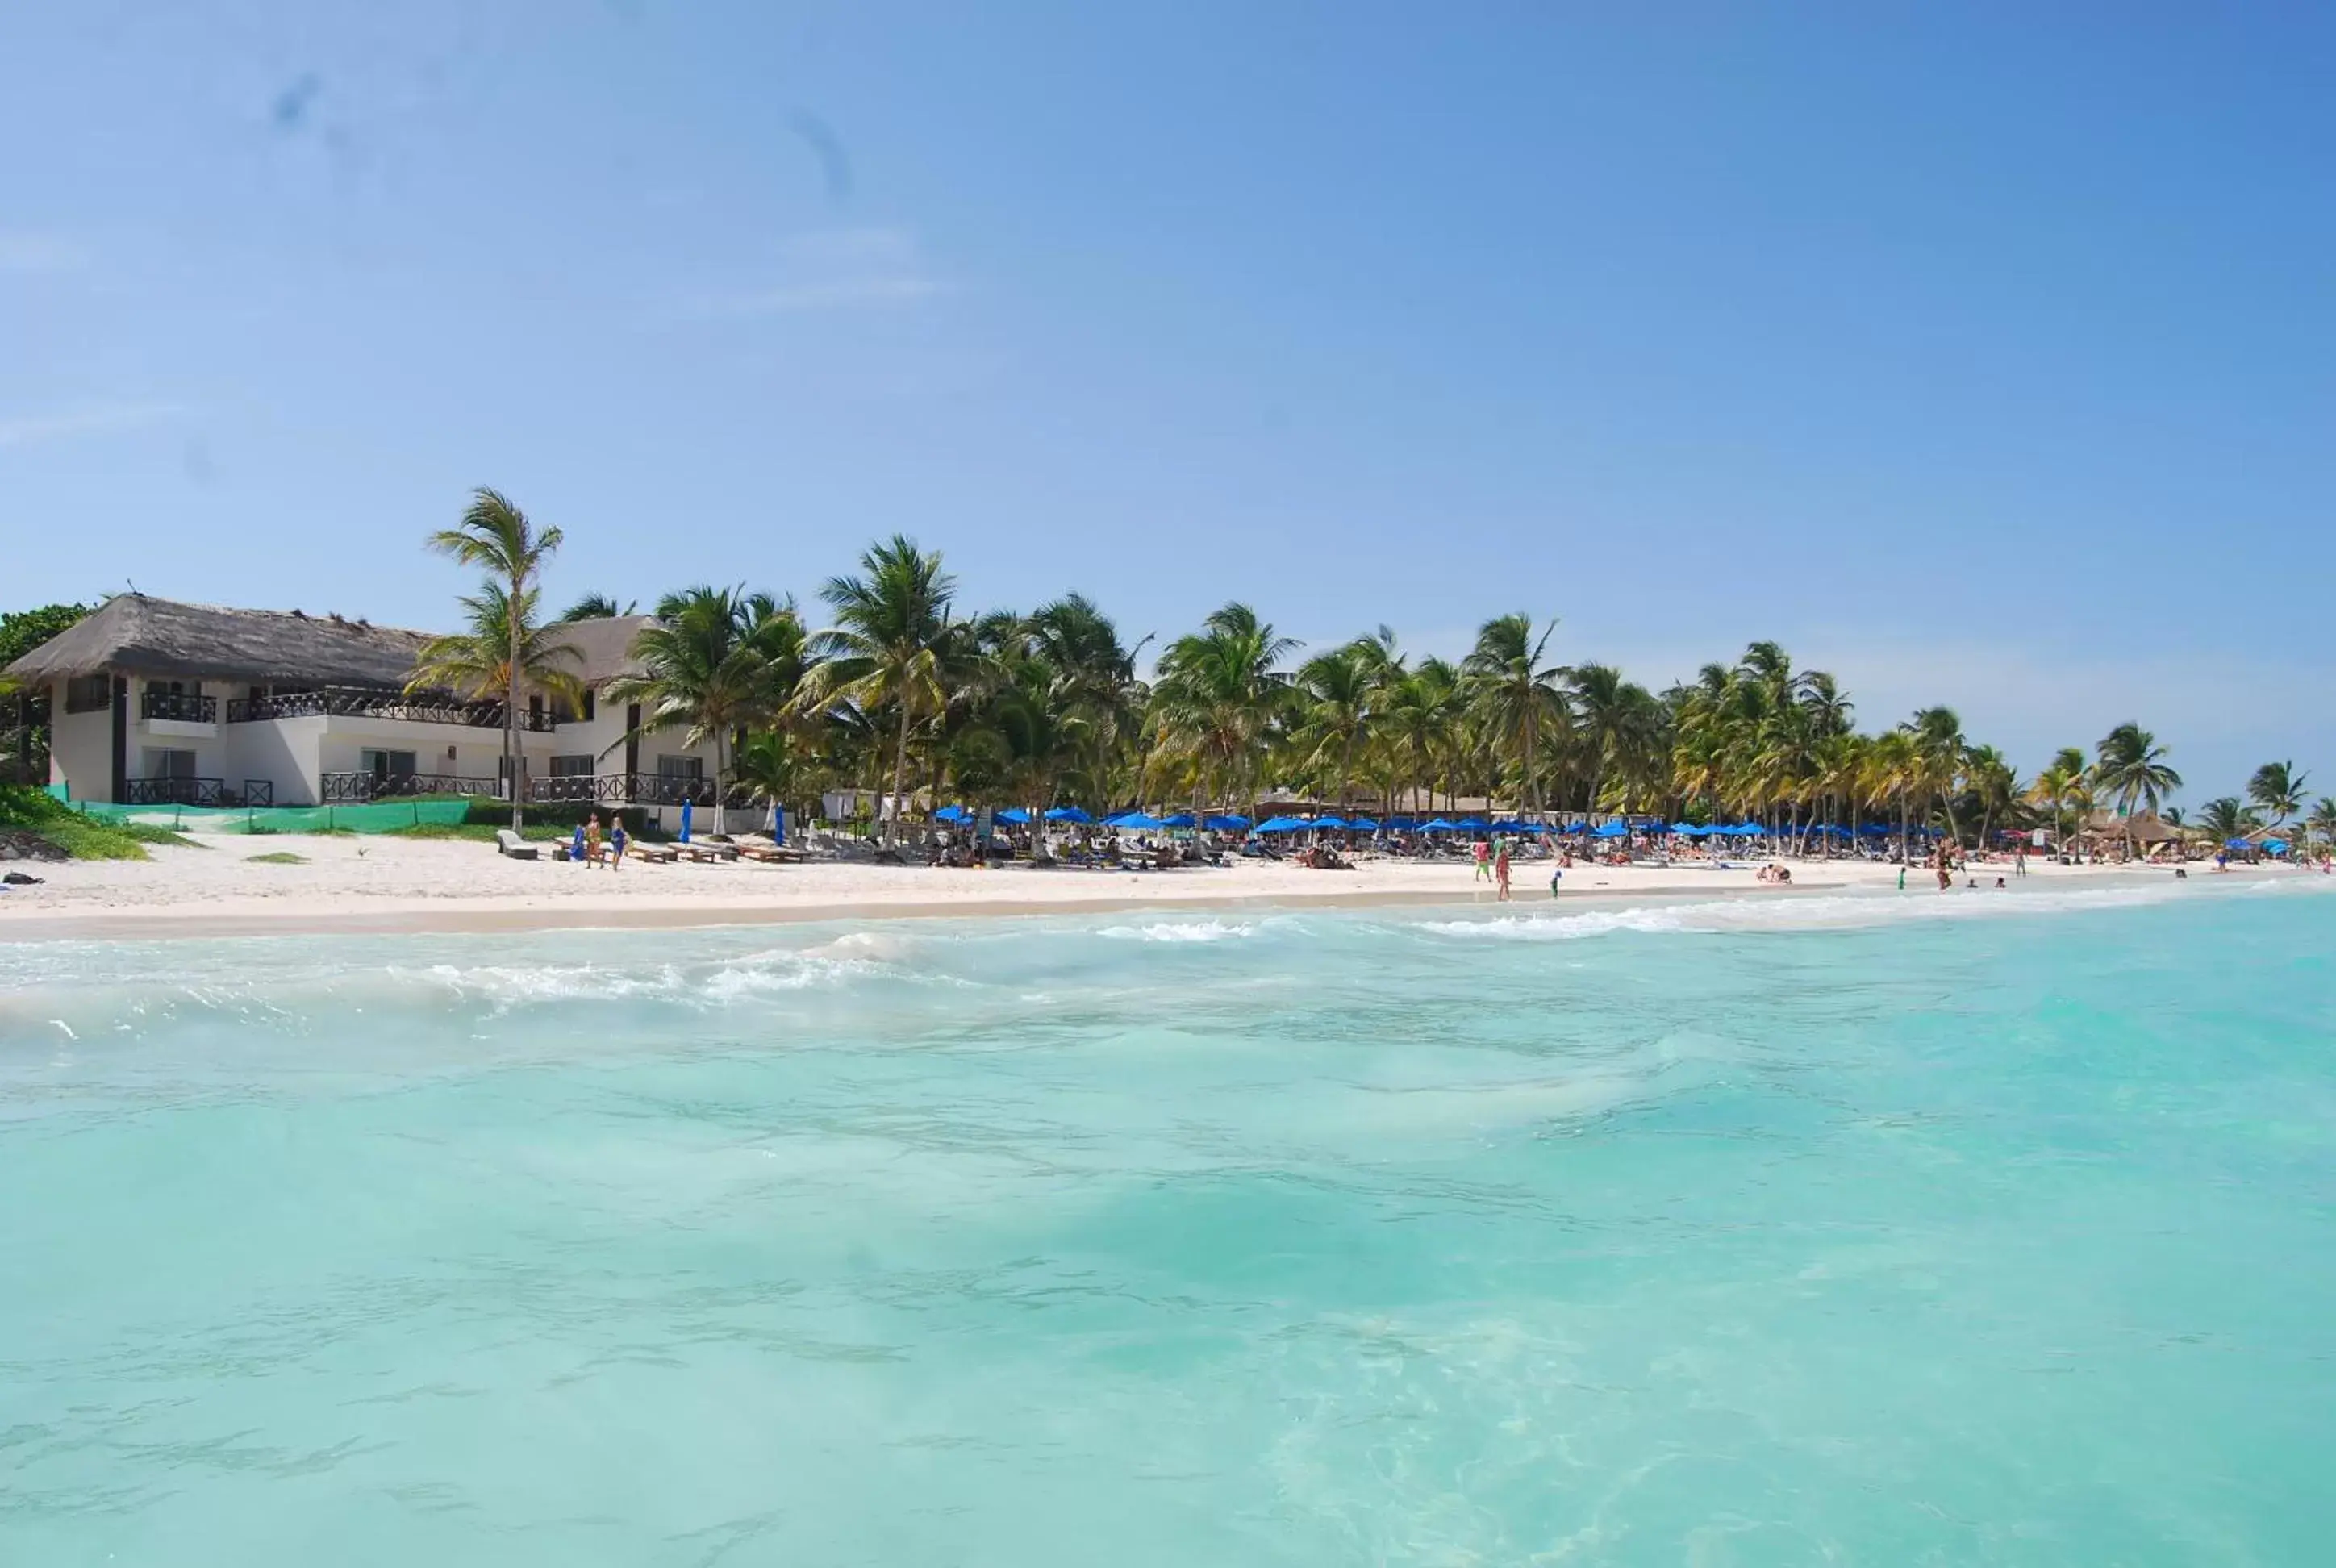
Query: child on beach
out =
(1501, 871)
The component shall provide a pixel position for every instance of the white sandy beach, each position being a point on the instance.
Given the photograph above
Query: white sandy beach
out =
(389, 884)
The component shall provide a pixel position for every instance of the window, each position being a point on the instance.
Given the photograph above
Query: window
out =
(535, 704)
(681, 767)
(591, 704)
(89, 693)
(169, 764)
(572, 766)
(385, 765)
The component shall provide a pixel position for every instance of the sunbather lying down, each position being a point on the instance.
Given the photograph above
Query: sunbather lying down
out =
(1323, 858)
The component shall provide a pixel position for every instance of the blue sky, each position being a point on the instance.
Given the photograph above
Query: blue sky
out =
(1983, 355)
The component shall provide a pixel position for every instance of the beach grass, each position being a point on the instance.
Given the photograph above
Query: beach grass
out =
(79, 837)
(277, 858)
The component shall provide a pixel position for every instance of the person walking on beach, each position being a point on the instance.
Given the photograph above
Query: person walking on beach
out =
(1501, 871)
(592, 841)
(618, 841)
(1484, 860)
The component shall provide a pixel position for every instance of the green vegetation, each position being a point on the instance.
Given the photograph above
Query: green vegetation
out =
(478, 831)
(277, 858)
(26, 810)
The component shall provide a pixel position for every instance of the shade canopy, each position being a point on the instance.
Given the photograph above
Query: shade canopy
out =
(1282, 825)
(1180, 820)
(1473, 826)
(1363, 825)
(1439, 826)
(952, 814)
(1068, 814)
(1230, 822)
(1689, 830)
(1611, 831)
(1141, 821)
(1015, 816)
(1328, 822)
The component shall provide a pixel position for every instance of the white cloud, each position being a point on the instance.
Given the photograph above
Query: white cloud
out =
(837, 270)
(29, 430)
(24, 251)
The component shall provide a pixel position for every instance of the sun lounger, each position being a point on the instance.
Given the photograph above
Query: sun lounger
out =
(654, 854)
(705, 853)
(510, 844)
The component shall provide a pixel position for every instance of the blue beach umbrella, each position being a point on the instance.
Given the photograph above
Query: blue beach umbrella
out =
(1138, 820)
(1330, 822)
(1230, 822)
(1439, 826)
(1473, 826)
(1364, 826)
(1688, 830)
(1611, 831)
(1180, 820)
(1068, 814)
(2276, 846)
(1015, 816)
(952, 814)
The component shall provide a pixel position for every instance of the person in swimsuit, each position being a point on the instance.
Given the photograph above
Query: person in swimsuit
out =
(618, 841)
(1501, 871)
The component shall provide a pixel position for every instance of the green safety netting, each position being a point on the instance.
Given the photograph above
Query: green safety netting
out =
(377, 818)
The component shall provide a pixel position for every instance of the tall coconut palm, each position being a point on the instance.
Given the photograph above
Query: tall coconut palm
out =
(2321, 822)
(1219, 693)
(1994, 787)
(500, 651)
(2132, 769)
(1616, 725)
(2056, 786)
(1518, 698)
(2278, 788)
(714, 662)
(496, 537)
(1895, 771)
(1333, 714)
(1939, 744)
(887, 649)
(1422, 712)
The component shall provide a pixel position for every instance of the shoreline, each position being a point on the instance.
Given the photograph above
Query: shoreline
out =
(393, 888)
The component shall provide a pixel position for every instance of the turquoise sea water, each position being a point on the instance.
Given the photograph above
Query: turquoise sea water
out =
(1975, 1229)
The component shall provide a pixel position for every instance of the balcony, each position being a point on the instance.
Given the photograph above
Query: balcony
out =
(639, 789)
(356, 788)
(196, 792)
(358, 702)
(177, 706)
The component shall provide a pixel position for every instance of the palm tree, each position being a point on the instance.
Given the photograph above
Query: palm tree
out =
(1993, 785)
(1515, 694)
(495, 536)
(886, 650)
(1895, 771)
(2278, 788)
(2321, 824)
(1939, 744)
(497, 653)
(1220, 691)
(597, 607)
(2224, 819)
(715, 661)
(2133, 768)
(1334, 713)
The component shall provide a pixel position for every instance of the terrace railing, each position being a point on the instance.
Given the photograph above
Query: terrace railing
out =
(359, 702)
(175, 792)
(179, 704)
(355, 788)
(620, 789)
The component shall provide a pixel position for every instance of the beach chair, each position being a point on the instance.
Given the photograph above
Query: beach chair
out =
(513, 847)
(651, 854)
(704, 853)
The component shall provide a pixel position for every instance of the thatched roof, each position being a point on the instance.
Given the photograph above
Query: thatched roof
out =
(2143, 828)
(605, 644)
(140, 635)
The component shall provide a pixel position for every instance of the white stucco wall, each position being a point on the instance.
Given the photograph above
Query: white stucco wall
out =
(80, 748)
